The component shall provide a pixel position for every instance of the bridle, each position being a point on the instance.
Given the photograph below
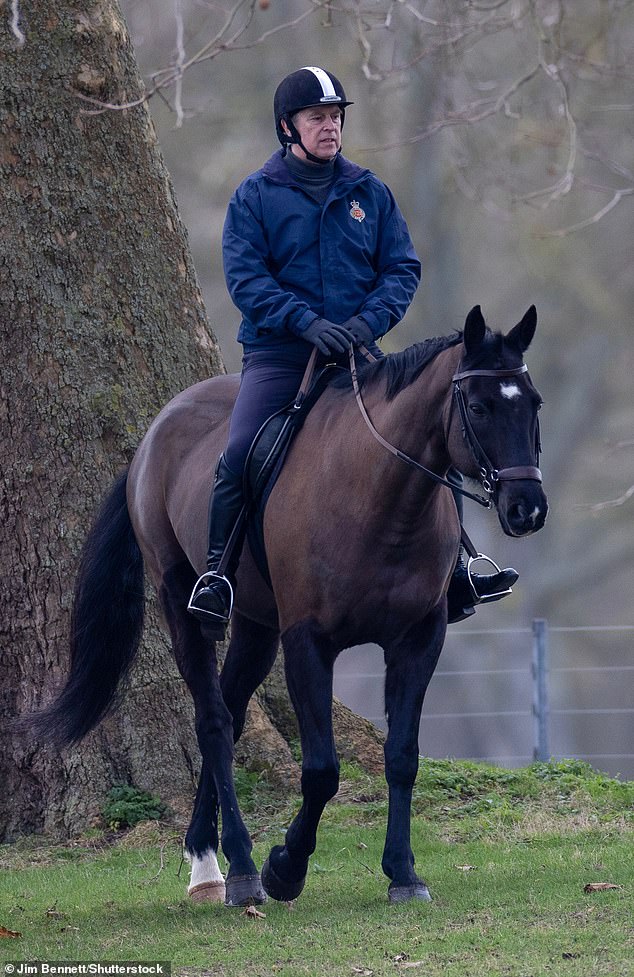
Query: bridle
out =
(490, 477)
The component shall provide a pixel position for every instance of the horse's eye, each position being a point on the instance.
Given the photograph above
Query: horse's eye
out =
(479, 410)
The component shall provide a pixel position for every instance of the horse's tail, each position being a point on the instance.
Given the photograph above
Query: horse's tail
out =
(106, 624)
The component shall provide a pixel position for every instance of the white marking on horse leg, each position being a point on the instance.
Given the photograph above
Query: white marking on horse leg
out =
(205, 868)
(510, 390)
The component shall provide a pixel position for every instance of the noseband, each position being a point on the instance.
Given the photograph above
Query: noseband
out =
(491, 477)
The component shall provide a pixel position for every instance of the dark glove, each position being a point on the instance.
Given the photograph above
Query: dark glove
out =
(328, 337)
(361, 332)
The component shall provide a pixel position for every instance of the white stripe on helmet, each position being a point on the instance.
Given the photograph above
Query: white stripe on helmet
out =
(327, 86)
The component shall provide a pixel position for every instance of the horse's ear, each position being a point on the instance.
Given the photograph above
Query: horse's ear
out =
(474, 330)
(522, 334)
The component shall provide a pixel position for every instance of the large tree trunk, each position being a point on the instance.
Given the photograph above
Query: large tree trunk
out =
(102, 322)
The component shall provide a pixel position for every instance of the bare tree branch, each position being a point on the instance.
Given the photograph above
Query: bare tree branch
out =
(609, 164)
(609, 503)
(467, 115)
(428, 30)
(15, 23)
(594, 219)
(219, 44)
(180, 61)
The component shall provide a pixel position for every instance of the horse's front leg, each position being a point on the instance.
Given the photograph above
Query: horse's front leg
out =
(206, 882)
(309, 660)
(410, 664)
(250, 657)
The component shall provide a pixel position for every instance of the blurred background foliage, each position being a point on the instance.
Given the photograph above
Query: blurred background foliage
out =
(504, 127)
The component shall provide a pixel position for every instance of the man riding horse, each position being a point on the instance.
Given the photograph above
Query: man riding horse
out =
(316, 254)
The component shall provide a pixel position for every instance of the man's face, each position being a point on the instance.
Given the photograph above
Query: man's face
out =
(319, 129)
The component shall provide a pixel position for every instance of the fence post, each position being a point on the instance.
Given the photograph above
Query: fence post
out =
(541, 747)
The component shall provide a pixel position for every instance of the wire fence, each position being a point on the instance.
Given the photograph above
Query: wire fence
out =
(530, 716)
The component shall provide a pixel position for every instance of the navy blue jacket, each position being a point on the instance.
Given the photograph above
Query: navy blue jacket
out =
(288, 260)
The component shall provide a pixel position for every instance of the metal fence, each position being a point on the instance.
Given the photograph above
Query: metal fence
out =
(559, 691)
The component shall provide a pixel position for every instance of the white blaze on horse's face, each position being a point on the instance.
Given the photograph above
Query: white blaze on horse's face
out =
(510, 390)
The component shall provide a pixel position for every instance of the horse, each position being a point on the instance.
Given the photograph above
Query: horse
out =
(360, 544)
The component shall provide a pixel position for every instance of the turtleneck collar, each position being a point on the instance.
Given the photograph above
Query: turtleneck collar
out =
(304, 170)
(314, 178)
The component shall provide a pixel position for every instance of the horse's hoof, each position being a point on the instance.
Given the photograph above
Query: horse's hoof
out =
(403, 893)
(207, 892)
(277, 888)
(244, 890)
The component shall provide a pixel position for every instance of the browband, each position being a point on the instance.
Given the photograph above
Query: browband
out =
(490, 373)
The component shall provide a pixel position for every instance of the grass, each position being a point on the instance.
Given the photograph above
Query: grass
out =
(507, 856)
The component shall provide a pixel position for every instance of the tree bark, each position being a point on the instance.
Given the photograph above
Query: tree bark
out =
(357, 739)
(102, 322)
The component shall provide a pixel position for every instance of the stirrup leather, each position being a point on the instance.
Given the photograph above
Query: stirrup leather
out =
(207, 579)
(485, 598)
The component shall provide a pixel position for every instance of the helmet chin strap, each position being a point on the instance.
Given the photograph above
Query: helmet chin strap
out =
(296, 141)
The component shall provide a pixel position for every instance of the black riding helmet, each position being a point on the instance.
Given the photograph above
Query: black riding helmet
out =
(299, 90)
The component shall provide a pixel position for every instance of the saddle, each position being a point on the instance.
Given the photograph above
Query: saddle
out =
(268, 452)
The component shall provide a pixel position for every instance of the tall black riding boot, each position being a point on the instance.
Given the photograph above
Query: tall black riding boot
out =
(466, 588)
(212, 598)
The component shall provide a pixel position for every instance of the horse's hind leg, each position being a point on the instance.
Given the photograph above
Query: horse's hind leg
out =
(196, 659)
(410, 664)
(309, 660)
(250, 657)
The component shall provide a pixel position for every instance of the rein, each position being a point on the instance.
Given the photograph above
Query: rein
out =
(489, 475)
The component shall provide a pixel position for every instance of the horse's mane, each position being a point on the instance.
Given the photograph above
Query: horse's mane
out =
(399, 370)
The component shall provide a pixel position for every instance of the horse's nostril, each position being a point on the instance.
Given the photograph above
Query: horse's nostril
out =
(523, 519)
(517, 513)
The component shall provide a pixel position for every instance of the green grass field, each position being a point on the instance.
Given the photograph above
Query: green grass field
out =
(507, 856)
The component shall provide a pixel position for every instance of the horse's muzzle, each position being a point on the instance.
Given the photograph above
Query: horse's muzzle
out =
(522, 507)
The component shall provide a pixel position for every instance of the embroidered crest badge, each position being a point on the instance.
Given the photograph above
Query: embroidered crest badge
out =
(356, 212)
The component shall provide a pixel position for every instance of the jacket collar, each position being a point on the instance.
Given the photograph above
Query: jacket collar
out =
(276, 170)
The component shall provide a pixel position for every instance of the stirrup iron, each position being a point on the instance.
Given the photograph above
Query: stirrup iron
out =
(486, 598)
(208, 578)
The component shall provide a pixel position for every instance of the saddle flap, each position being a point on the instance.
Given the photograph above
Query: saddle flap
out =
(266, 458)
(267, 453)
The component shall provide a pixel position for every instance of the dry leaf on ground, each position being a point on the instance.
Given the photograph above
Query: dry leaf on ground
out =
(54, 913)
(253, 913)
(600, 886)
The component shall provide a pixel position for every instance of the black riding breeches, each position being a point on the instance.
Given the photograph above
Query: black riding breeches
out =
(270, 380)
